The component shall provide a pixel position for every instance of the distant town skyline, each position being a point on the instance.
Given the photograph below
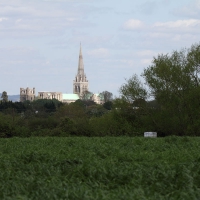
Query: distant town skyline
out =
(40, 40)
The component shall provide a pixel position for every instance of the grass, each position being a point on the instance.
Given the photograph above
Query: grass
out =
(100, 168)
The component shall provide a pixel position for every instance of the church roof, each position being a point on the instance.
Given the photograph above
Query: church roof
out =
(70, 97)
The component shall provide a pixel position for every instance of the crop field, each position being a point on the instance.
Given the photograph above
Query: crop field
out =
(100, 168)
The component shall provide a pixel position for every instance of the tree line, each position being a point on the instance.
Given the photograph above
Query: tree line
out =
(165, 98)
(46, 117)
(169, 95)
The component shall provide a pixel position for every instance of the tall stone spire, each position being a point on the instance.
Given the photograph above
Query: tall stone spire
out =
(80, 63)
(80, 84)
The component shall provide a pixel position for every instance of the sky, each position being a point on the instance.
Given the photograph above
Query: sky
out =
(40, 40)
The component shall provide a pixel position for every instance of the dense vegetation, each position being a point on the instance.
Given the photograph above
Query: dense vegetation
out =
(52, 118)
(169, 104)
(172, 81)
(100, 168)
(67, 167)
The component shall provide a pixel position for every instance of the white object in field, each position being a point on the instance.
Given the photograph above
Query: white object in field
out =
(150, 134)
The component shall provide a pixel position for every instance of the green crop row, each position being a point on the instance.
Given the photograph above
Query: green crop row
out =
(100, 168)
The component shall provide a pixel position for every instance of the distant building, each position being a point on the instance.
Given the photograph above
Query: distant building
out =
(80, 86)
(27, 94)
(50, 95)
(70, 98)
(97, 98)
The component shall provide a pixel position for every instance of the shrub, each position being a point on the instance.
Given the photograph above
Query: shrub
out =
(109, 125)
(43, 123)
(67, 125)
(6, 126)
(83, 127)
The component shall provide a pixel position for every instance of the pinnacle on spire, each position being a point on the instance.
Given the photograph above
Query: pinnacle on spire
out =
(80, 63)
(80, 51)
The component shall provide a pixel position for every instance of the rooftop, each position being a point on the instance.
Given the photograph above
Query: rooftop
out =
(70, 97)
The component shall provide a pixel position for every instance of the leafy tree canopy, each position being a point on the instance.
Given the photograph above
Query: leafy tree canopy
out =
(4, 96)
(108, 105)
(173, 80)
(107, 96)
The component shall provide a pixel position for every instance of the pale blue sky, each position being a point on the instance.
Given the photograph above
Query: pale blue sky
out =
(40, 39)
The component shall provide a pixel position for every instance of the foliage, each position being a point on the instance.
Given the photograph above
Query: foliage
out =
(173, 85)
(95, 111)
(112, 124)
(174, 82)
(108, 105)
(17, 106)
(37, 123)
(4, 96)
(73, 110)
(84, 103)
(168, 104)
(133, 115)
(100, 168)
(86, 95)
(47, 105)
(88, 103)
(107, 96)
(6, 126)
(79, 103)
(67, 125)
(133, 89)
(83, 127)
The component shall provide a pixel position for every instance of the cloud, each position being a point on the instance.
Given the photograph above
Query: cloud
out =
(121, 63)
(178, 24)
(12, 56)
(101, 52)
(30, 19)
(80, 1)
(146, 53)
(190, 10)
(161, 32)
(190, 25)
(3, 19)
(133, 24)
(148, 7)
(146, 61)
(128, 62)
(159, 36)
(83, 37)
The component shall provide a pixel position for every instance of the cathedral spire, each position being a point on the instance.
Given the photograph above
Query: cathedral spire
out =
(80, 84)
(80, 63)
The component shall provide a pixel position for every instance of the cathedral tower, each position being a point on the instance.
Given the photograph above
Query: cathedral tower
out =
(80, 84)
(27, 94)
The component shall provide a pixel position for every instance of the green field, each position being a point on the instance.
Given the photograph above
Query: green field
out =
(100, 168)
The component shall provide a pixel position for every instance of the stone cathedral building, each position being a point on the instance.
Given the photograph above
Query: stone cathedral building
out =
(27, 94)
(80, 86)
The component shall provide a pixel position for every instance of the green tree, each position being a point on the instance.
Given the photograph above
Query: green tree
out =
(170, 103)
(133, 89)
(95, 110)
(78, 103)
(107, 96)
(108, 105)
(4, 96)
(47, 105)
(86, 95)
(173, 81)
